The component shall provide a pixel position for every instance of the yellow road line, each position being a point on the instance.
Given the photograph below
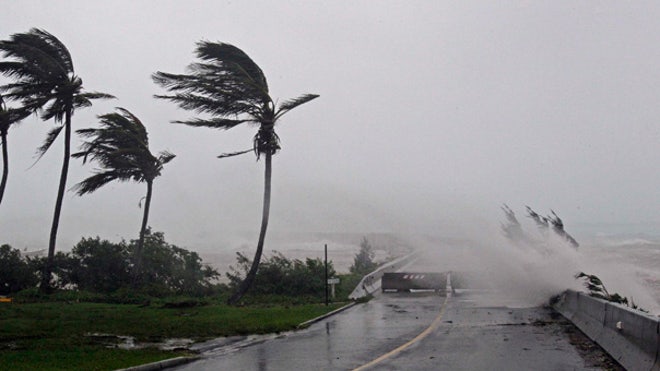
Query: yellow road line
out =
(434, 325)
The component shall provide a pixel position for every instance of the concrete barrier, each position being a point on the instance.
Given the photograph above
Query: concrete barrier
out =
(371, 282)
(397, 281)
(630, 336)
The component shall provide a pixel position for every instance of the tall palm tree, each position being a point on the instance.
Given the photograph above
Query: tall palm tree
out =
(8, 117)
(45, 82)
(231, 89)
(121, 147)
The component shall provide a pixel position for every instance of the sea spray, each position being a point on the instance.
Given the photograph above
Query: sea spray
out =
(529, 270)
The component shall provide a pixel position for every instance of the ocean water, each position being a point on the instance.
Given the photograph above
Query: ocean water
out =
(636, 258)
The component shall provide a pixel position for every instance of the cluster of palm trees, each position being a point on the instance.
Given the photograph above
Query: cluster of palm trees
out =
(225, 87)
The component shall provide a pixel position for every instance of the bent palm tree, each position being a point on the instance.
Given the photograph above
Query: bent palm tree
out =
(44, 81)
(121, 147)
(229, 87)
(8, 117)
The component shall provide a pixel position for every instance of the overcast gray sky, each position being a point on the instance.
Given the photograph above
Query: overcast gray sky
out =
(432, 114)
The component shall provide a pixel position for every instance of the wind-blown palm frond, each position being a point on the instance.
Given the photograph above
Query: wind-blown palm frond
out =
(165, 157)
(121, 147)
(230, 87)
(228, 84)
(238, 153)
(43, 57)
(215, 123)
(10, 116)
(290, 104)
(42, 68)
(234, 62)
(50, 138)
(44, 79)
(97, 181)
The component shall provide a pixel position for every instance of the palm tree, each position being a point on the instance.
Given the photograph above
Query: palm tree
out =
(8, 117)
(230, 88)
(45, 82)
(121, 147)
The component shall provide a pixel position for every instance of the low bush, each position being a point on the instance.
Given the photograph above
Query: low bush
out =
(16, 273)
(280, 276)
(100, 270)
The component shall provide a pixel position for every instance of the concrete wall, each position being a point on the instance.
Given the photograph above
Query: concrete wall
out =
(629, 336)
(371, 282)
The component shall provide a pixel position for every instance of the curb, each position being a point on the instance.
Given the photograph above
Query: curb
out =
(161, 365)
(322, 317)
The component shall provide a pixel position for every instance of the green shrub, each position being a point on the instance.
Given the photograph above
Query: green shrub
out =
(280, 276)
(107, 269)
(16, 273)
(364, 259)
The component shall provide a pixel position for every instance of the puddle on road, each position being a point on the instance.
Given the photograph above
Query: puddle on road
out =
(128, 342)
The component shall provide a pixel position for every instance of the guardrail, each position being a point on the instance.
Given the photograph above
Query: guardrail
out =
(371, 282)
(631, 337)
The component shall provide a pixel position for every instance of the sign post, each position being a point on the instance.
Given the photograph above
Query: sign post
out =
(332, 282)
(326, 275)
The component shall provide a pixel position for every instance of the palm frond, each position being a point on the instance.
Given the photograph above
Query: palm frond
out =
(50, 138)
(227, 84)
(290, 104)
(37, 63)
(52, 46)
(97, 95)
(222, 105)
(121, 147)
(234, 59)
(96, 181)
(232, 154)
(10, 116)
(165, 157)
(42, 69)
(215, 123)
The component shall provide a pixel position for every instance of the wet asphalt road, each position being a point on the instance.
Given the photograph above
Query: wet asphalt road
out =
(465, 336)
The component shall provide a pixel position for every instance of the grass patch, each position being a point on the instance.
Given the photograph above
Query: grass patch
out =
(80, 358)
(51, 335)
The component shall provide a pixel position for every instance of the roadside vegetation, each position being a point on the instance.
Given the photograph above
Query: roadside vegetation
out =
(364, 263)
(144, 288)
(178, 297)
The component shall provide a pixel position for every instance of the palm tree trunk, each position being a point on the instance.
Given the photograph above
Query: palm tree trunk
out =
(249, 278)
(48, 268)
(5, 165)
(143, 231)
